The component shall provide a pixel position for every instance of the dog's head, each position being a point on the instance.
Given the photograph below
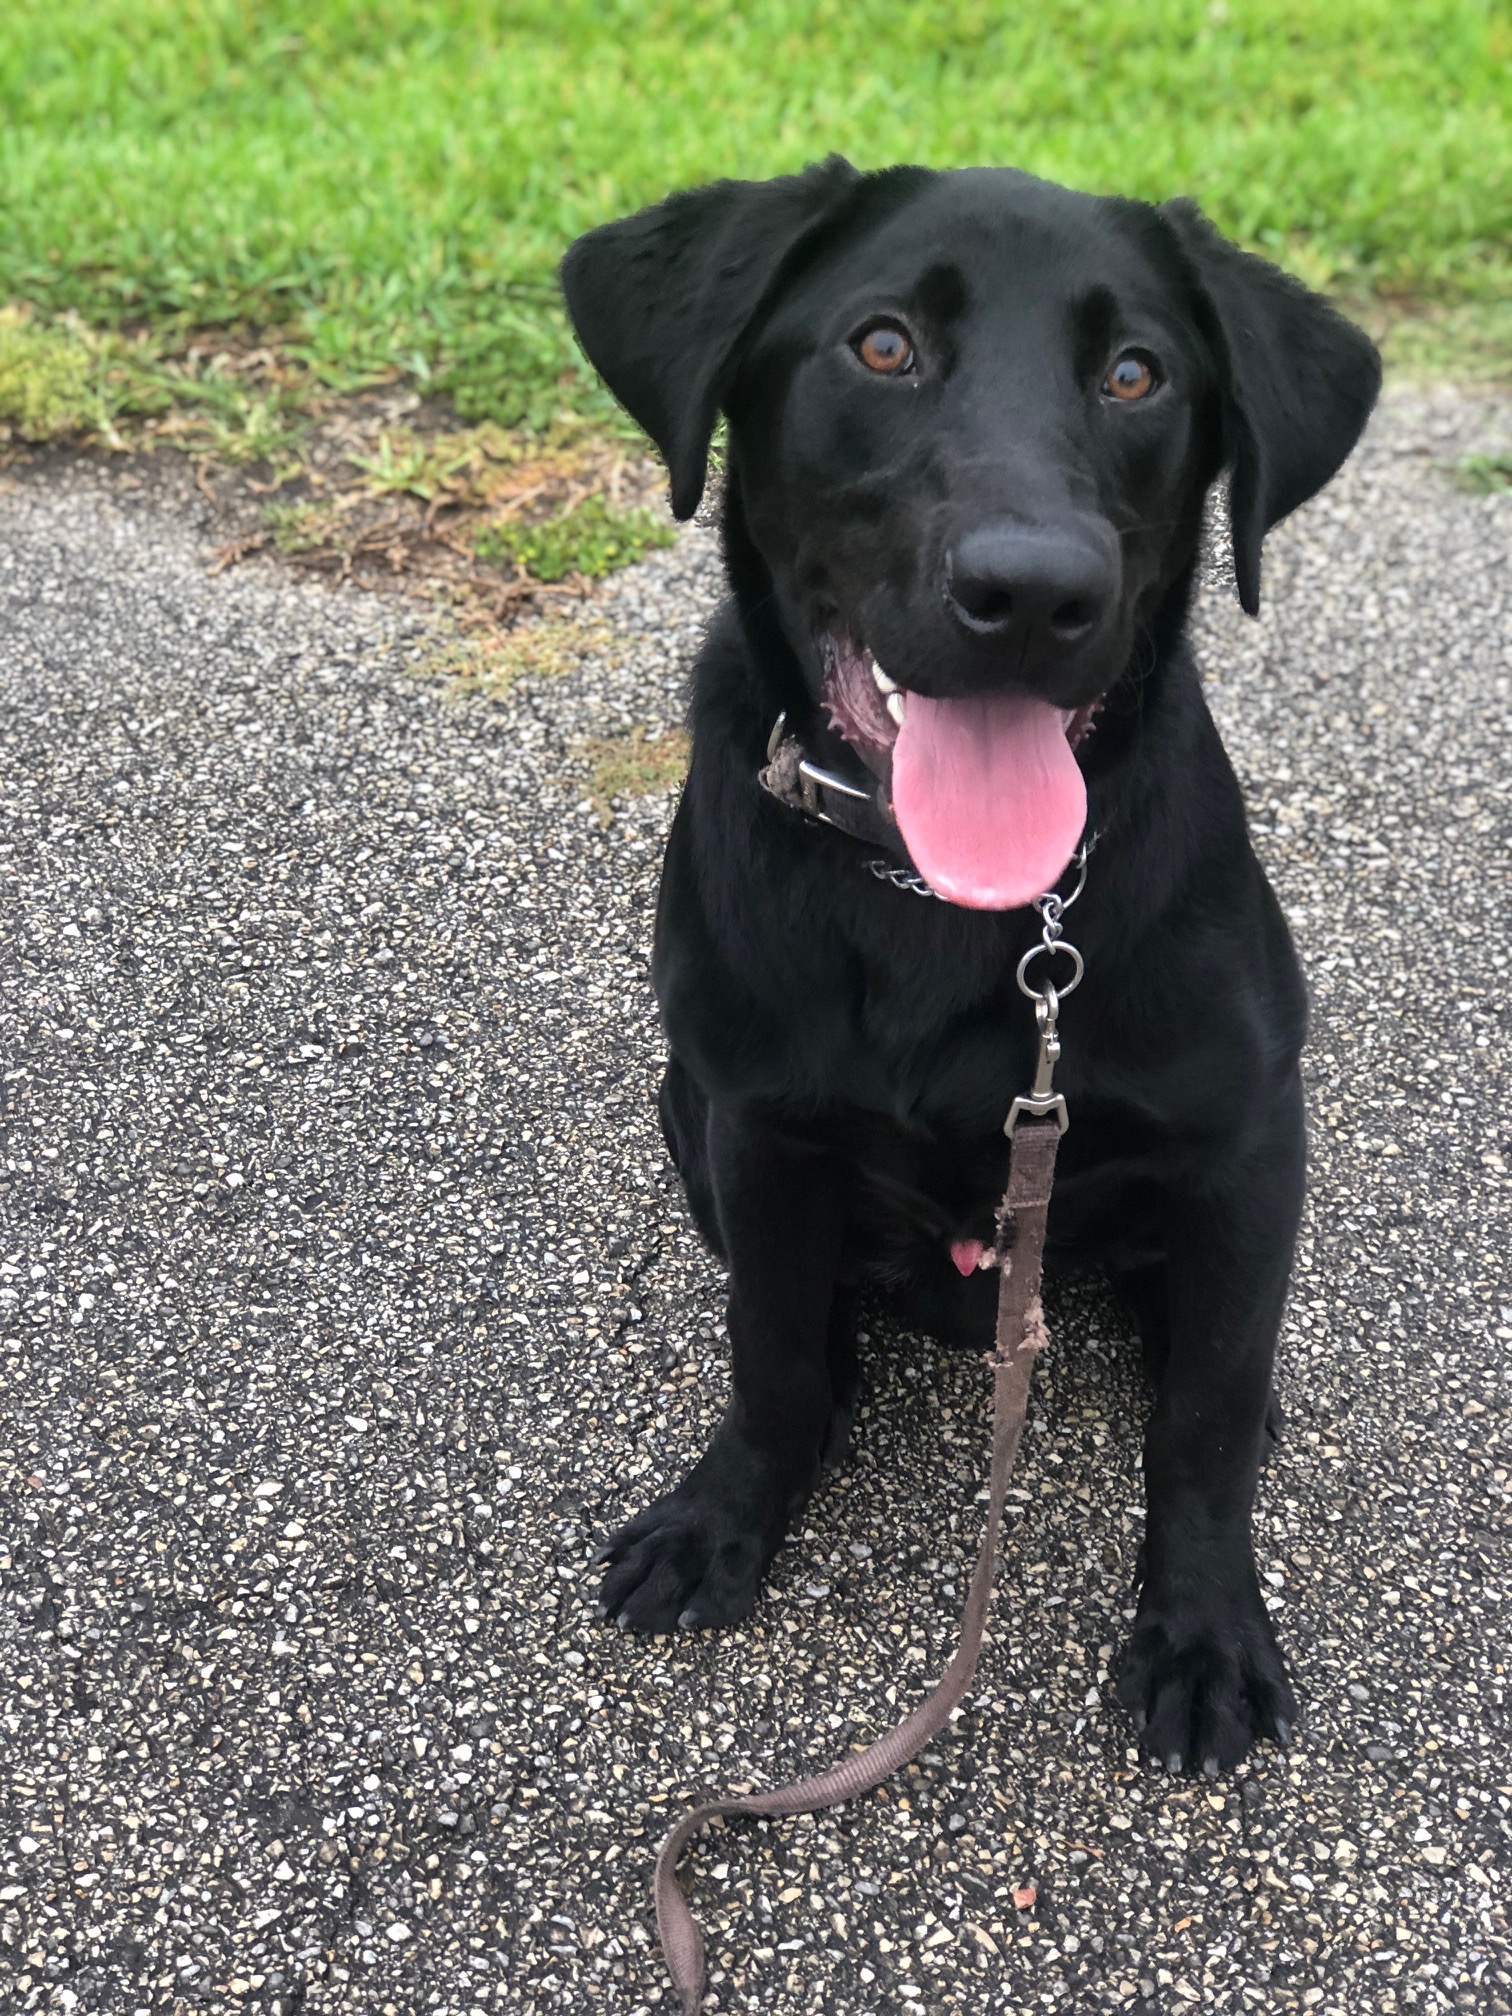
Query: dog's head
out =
(973, 418)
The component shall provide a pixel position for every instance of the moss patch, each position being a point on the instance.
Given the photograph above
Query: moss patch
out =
(300, 528)
(589, 539)
(1483, 474)
(636, 765)
(47, 379)
(489, 662)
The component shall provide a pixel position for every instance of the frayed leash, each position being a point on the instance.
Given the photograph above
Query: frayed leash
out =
(1035, 1123)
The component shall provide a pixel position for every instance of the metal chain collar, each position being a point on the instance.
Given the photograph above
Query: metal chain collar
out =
(1041, 1102)
(903, 878)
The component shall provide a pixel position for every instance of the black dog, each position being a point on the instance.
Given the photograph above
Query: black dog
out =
(973, 419)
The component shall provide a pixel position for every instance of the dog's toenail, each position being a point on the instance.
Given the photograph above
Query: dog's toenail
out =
(1140, 1721)
(1283, 1732)
(1210, 1767)
(1174, 1762)
(688, 1620)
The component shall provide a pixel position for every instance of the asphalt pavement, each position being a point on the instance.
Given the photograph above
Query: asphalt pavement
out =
(346, 1300)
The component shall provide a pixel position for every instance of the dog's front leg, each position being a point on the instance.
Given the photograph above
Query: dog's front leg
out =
(698, 1555)
(1203, 1676)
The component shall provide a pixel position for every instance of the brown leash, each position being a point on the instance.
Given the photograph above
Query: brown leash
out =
(1036, 1120)
(1020, 1338)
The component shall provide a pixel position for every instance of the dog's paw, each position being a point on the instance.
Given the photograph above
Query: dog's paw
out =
(1204, 1681)
(691, 1559)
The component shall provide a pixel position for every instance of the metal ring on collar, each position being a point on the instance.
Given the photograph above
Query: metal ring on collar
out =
(1079, 967)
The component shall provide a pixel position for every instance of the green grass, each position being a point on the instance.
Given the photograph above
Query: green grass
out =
(390, 182)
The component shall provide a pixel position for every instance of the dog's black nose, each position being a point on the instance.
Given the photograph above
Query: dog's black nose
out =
(1034, 588)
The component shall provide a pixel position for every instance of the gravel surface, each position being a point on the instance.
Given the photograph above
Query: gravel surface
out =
(347, 1300)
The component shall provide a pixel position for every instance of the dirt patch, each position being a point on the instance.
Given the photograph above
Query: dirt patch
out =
(381, 485)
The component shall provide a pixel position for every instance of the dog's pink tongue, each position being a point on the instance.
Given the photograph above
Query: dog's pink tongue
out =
(988, 797)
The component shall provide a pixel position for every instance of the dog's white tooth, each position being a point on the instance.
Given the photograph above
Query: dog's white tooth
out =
(884, 684)
(895, 707)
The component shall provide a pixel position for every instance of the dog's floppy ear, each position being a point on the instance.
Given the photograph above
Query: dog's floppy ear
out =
(660, 300)
(1298, 382)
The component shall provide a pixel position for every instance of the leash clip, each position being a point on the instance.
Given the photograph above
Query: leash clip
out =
(1042, 1101)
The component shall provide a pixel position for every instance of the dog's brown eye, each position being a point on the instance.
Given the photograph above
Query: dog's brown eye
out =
(1130, 377)
(885, 349)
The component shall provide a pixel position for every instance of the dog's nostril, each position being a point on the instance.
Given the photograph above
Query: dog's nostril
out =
(985, 605)
(1073, 619)
(979, 592)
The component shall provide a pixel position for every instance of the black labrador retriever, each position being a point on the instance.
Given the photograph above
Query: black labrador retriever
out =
(973, 419)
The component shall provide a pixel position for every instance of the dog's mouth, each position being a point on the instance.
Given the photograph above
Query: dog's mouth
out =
(986, 790)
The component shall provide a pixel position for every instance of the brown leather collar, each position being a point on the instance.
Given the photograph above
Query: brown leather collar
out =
(860, 809)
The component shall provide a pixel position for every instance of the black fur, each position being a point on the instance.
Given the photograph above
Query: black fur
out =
(843, 1053)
